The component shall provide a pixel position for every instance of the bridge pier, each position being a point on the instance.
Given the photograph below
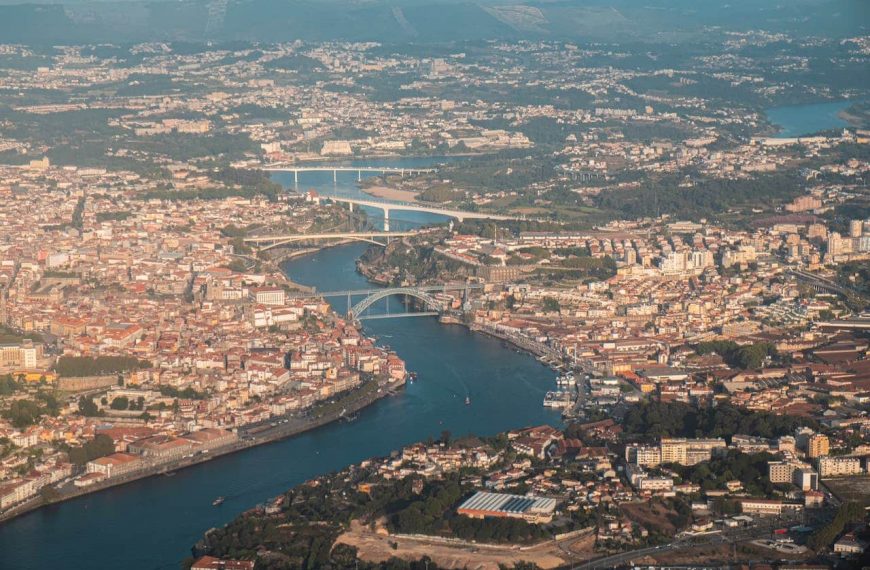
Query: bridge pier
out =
(295, 178)
(386, 220)
(359, 175)
(334, 176)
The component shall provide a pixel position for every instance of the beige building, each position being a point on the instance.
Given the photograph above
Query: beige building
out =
(643, 455)
(839, 466)
(768, 507)
(20, 355)
(269, 295)
(114, 465)
(689, 451)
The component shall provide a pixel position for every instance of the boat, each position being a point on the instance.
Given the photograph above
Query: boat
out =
(412, 376)
(557, 399)
(218, 502)
(467, 400)
(169, 473)
(566, 380)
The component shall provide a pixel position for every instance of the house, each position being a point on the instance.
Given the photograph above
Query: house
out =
(849, 545)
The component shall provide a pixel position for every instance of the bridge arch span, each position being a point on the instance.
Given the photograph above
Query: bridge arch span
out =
(303, 238)
(360, 308)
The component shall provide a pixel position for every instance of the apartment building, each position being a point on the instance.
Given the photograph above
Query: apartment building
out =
(689, 451)
(818, 445)
(839, 466)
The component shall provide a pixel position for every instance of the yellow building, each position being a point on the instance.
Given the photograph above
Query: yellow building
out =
(36, 375)
(818, 446)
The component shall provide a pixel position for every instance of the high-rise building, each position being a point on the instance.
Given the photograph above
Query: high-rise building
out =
(818, 445)
(835, 244)
(780, 471)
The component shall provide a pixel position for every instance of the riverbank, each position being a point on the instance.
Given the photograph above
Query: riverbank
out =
(275, 429)
(505, 386)
(389, 193)
(856, 119)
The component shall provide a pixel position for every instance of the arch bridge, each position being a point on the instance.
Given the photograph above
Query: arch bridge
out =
(431, 303)
(369, 237)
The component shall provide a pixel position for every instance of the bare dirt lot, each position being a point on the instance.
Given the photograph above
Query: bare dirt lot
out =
(851, 488)
(651, 515)
(375, 547)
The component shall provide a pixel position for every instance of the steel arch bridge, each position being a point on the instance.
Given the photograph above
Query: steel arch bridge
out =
(431, 302)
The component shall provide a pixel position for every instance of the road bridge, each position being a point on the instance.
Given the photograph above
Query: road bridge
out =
(425, 294)
(387, 207)
(397, 315)
(428, 300)
(350, 293)
(279, 240)
(296, 170)
(822, 284)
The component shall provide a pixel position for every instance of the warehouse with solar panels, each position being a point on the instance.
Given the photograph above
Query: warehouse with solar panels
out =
(530, 509)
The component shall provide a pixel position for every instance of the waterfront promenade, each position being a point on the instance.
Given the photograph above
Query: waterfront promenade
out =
(274, 429)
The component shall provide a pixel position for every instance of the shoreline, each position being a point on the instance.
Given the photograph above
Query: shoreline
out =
(266, 433)
(389, 193)
(352, 402)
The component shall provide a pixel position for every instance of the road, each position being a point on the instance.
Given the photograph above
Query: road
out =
(761, 530)
(250, 435)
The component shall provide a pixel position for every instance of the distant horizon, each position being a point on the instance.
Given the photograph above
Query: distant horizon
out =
(418, 21)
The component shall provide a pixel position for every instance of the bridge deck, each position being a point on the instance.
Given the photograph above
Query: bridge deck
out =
(367, 292)
(412, 207)
(343, 235)
(396, 315)
(279, 168)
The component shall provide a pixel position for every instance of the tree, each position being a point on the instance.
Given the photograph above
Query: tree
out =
(23, 413)
(445, 437)
(745, 357)
(49, 494)
(847, 513)
(551, 305)
(120, 403)
(8, 385)
(101, 446)
(88, 408)
(77, 366)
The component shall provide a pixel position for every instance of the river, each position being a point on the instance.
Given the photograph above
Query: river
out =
(804, 120)
(346, 185)
(152, 523)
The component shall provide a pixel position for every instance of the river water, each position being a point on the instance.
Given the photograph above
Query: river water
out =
(804, 120)
(345, 185)
(153, 523)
